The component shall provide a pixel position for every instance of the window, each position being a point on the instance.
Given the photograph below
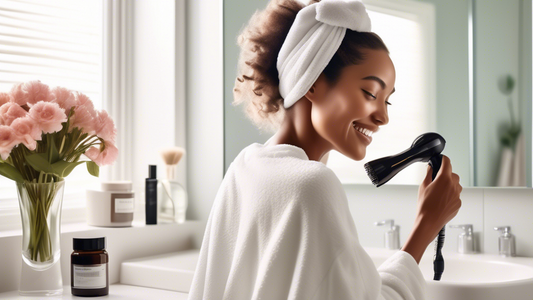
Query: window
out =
(407, 28)
(58, 42)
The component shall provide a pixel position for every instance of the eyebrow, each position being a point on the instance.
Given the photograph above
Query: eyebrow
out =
(381, 82)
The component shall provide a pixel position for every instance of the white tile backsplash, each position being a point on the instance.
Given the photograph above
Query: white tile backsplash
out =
(483, 207)
(509, 207)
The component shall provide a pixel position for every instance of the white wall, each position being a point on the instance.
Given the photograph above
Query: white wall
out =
(483, 207)
(204, 105)
(158, 89)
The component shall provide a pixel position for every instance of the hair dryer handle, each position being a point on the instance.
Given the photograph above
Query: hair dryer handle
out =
(435, 163)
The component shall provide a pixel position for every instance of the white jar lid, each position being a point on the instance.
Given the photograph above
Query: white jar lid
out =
(122, 186)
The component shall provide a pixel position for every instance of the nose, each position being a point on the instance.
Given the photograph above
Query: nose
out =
(380, 116)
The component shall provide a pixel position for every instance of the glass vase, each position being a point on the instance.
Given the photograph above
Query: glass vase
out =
(40, 211)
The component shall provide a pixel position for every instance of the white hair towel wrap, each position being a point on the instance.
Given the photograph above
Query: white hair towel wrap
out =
(313, 39)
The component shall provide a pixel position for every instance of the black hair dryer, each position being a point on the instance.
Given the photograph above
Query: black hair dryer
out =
(426, 147)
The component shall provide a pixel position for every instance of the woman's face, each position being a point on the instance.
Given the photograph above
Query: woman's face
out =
(358, 99)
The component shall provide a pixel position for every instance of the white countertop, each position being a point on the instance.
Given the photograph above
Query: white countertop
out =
(116, 291)
(171, 271)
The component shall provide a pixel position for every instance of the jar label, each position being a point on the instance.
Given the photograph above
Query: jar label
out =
(90, 277)
(124, 205)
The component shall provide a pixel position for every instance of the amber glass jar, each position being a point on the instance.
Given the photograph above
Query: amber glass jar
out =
(89, 272)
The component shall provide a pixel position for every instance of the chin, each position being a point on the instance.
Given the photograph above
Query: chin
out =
(356, 154)
(361, 156)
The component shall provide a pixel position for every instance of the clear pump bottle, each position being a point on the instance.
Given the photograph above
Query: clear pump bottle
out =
(172, 197)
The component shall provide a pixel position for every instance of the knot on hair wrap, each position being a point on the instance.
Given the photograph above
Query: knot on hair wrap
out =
(312, 40)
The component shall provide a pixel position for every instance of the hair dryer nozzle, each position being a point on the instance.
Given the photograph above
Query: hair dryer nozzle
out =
(424, 147)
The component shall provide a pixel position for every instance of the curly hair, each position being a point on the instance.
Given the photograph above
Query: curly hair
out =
(261, 39)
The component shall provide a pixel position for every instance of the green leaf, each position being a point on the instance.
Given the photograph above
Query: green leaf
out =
(10, 172)
(63, 168)
(39, 161)
(53, 154)
(93, 168)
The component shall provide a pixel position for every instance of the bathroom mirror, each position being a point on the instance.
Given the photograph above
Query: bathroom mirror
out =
(463, 69)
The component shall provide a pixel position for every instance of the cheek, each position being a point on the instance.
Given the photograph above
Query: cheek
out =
(331, 112)
(352, 109)
(332, 119)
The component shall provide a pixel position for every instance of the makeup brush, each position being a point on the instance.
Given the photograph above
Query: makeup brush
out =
(171, 156)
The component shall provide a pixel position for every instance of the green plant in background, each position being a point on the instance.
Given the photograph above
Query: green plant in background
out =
(509, 136)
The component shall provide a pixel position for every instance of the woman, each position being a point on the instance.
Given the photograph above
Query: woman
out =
(280, 226)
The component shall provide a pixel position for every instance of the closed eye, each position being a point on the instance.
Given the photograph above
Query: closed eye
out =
(370, 94)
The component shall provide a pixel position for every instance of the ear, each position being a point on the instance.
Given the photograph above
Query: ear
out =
(311, 94)
(315, 91)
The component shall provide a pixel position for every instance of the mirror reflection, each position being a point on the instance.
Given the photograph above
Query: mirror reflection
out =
(463, 69)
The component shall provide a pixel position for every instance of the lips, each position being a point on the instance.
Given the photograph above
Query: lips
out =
(366, 139)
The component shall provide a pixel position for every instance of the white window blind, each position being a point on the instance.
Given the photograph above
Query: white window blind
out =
(58, 42)
(406, 27)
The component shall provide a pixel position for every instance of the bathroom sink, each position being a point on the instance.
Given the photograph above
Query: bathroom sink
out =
(473, 276)
(465, 277)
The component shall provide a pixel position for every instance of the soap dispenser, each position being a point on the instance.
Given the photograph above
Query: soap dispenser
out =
(506, 242)
(465, 240)
(392, 236)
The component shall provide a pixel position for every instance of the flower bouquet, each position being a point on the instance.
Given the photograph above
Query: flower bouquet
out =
(44, 133)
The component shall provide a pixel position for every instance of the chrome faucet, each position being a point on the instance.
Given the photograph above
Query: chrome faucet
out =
(506, 242)
(392, 235)
(465, 240)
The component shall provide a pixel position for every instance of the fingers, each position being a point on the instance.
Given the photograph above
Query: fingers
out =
(456, 180)
(427, 180)
(455, 177)
(445, 167)
(446, 164)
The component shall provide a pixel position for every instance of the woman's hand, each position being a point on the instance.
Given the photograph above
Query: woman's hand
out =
(438, 200)
(438, 203)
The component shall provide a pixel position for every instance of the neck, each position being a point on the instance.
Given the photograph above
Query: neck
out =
(298, 130)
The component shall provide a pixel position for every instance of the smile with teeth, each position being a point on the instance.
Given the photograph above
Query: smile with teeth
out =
(363, 130)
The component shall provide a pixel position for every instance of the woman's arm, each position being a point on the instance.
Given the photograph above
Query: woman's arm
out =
(418, 240)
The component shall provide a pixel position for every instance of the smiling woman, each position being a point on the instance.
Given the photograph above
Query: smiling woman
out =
(361, 61)
(280, 226)
(337, 105)
(257, 82)
(410, 113)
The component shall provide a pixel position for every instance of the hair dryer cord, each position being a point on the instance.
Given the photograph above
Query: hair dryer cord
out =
(438, 261)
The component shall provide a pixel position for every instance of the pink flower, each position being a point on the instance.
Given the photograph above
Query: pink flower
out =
(83, 120)
(11, 111)
(27, 131)
(5, 98)
(83, 100)
(106, 157)
(8, 140)
(48, 116)
(18, 94)
(64, 97)
(105, 127)
(35, 91)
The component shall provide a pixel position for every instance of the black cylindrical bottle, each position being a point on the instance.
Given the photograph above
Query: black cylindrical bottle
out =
(89, 271)
(151, 196)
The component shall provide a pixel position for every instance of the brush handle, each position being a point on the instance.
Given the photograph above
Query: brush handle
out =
(438, 261)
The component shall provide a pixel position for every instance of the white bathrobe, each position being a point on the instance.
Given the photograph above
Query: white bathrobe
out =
(280, 228)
